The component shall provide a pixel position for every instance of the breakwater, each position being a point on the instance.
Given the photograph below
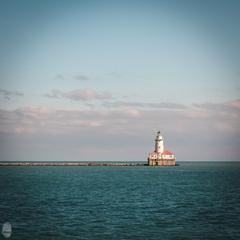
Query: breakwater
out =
(83, 164)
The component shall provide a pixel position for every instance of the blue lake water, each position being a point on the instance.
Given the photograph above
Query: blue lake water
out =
(196, 200)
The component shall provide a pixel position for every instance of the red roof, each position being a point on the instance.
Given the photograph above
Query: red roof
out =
(166, 152)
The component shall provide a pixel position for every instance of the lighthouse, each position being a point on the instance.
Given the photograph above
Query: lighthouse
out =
(159, 148)
(161, 157)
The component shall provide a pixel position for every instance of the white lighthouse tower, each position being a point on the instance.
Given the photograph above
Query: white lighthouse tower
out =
(159, 147)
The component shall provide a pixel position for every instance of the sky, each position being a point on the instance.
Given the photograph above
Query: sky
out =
(95, 80)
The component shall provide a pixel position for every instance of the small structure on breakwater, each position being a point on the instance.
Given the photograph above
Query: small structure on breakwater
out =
(161, 157)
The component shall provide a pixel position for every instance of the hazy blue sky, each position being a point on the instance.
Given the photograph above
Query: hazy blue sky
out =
(94, 80)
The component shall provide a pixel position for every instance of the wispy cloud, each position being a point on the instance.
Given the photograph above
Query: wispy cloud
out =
(161, 105)
(6, 94)
(79, 95)
(86, 95)
(230, 106)
(54, 94)
(52, 121)
(81, 77)
(60, 77)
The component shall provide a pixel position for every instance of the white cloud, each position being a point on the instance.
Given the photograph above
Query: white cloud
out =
(6, 94)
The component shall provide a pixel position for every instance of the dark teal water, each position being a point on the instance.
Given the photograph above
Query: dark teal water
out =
(190, 201)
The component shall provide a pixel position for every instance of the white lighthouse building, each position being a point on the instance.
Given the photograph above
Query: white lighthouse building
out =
(161, 157)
